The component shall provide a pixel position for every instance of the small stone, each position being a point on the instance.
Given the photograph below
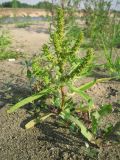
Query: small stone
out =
(11, 60)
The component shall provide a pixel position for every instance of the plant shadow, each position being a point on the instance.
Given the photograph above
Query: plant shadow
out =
(60, 137)
(99, 73)
(115, 134)
(116, 107)
(11, 93)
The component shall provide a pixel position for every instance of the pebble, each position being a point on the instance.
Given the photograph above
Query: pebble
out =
(11, 60)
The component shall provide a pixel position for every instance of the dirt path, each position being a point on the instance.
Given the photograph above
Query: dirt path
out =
(47, 141)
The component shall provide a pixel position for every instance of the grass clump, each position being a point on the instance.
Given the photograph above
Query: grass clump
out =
(5, 42)
(23, 24)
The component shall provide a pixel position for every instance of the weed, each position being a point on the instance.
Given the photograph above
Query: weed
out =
(53, 75)
(5, 42)
(103, 33)
(23, 24)
(97, 20)
(109, 44)
(112, 63)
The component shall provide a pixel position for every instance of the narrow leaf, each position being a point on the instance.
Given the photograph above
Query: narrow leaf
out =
(83, 109)
(104, 79)
(95, 116)
(90, 84)
(35, 121)
(80, 92)
(87, 85)
(87, 134)
(27, 100)
(83, 95)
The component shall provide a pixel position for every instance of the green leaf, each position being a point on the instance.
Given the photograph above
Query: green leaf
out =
(87, 134)
(94, 125)
(87, 85)
(35, 121)
(29, 74)
(83, 109)
(28, 100)
(95, 116)
(104, 79)
(82, 94)
(104, 110)
(66, 114)
(90, 84)
(108, 130)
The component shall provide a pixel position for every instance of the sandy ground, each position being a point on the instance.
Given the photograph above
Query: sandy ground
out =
(31, 12)
(21, 12)
(28, 40)
(46, 141)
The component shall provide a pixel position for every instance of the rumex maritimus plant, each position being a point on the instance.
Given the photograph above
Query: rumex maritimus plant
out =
(54, 73)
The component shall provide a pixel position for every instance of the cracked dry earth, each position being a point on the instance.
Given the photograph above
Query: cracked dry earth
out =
(46, 141)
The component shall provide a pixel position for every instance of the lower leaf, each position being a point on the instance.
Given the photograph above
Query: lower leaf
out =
(28, 100)
(35, 121)
(87, 134)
